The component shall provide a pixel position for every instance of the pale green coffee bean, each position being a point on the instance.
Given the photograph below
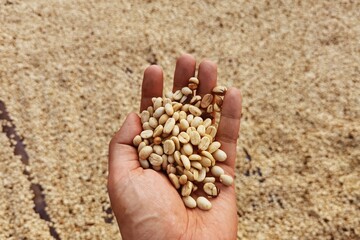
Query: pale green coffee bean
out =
(186, 162)
(210, 137)
(176, 106)
(169, 147)
(210, 189)
(159, 112)
(166, 101)
(204, 143)
(141, 146)
(196, 164)
(137, 140)
(206, 100)
(186, 91)
(158, 131)
(227, 180)
(190, 118)
(182, 151)
(196, 122)
(169, 109)
(210, 109)
(195, 111)
(195, 138)
(189, 202)
(150, 109)
(184, 125)
(184, 137)
(146, 126)
(183, 99)
(155, 159)
(201, 130)
(188, 149)
(177, 158)
(219, 90)
(144, 163)
(207, 122)
(169, 126)
(187, 189)
(177, 143)
(170, 169)
(218, 100)
(194, 80)
(216, 108)
(146, 134)
(145, 115)
(183, 179)
(214, 146)
(208, 155)
(185, 107)
(220, 155)
(171, 159)
(153, 122)
(177, 95)
(203, 203)
(205, 162)
(158, 149)
(163, 118)
(176, 116)
(195, 173)
(165, 162)
(174, 180)
(194, 157)
(195, 99)
(158, 103)
(209, 179)
(190, 129)
(202, 175)
(211, 130)
(176, 130)
(182, 115)
(189, 174)
(216, 171)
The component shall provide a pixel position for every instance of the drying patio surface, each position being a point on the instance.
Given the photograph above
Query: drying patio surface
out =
(71, 70)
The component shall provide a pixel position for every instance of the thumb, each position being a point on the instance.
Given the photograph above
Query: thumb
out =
(123, 156)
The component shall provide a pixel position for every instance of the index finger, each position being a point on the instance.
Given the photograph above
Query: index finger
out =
(152, 86)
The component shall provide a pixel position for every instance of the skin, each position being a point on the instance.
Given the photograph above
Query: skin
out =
(144, 202)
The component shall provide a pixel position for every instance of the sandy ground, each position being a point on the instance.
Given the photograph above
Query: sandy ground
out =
(71, 70)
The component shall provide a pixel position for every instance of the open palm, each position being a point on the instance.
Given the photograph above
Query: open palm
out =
(145, 203)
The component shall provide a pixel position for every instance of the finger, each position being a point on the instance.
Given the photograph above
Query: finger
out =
(184, 70)
(152, 86)
(207, 76)
(229, 125)
(122, 155)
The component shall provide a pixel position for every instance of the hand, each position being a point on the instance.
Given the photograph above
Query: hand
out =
(145, 203)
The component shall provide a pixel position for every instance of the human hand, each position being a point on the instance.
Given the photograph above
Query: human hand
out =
(145, 203)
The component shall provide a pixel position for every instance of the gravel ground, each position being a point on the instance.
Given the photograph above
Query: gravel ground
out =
(71, 70)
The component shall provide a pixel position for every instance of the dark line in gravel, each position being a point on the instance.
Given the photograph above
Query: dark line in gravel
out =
(19, 149)
(110, 217)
